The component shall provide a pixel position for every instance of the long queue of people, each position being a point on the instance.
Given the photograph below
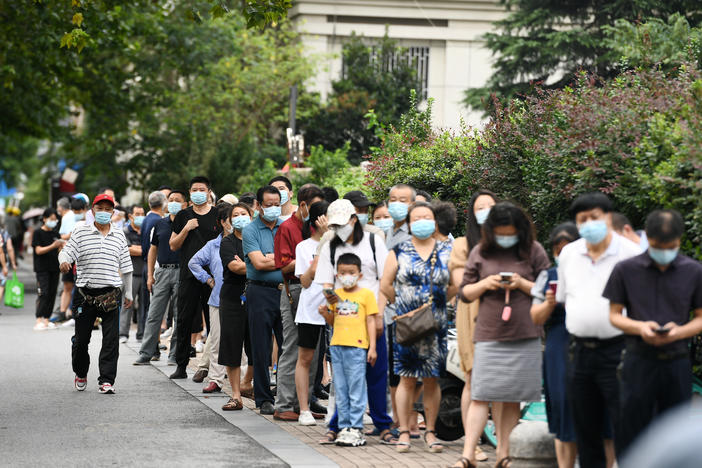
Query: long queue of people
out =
(366, 286)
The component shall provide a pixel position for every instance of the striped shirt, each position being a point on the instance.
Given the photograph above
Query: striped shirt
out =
(99, 259)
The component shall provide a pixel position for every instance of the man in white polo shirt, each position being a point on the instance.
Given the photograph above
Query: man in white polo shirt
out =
(103, 265)
(583, 270)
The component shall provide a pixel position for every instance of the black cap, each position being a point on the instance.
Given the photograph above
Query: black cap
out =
(357, 198)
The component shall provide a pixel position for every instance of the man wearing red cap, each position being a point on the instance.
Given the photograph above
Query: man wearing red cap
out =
(103, 266)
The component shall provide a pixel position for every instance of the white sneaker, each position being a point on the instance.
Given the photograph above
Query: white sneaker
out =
(167, 333)
(306, 419)
(52, 326)
(40, 327)
(69, 323)
(106, 388)
(342, 437)
(199, 346)
(123, 339)
(79, 383)
(354, 438)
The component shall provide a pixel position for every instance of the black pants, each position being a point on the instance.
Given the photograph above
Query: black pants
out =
(650, 387)
(85, 315)
(264, 321)
(594, 392)
(47, 284)
(192, 299)
(143, 310)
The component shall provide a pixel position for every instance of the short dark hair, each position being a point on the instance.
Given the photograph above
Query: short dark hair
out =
(619, 220)
(224, 212)
(282, 179)
(590, 201)
(424, 194)
(317, 209)
(473, 229)
(348, 259)
(664, 225)
(184, 195)
(133, 207)
(445, 215)
(243, 205)
(508, 214)
(567, 231)
(165, 187)
(248, 198)
(330, 194)
(419, 204)
(266, 189)
(78, 204)
(309, 192)
(200, 180)
(48, 212)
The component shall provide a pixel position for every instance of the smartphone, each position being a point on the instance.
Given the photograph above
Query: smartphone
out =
(328, 292)
(506, 277)
(662, 331)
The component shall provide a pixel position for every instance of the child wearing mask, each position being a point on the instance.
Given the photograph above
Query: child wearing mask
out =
(352, 345)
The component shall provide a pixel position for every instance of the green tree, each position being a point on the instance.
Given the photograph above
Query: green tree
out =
(548, 41)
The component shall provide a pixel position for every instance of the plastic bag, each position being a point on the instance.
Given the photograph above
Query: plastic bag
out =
(14, 292)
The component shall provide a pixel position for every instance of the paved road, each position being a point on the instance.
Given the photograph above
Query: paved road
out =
(150, 421)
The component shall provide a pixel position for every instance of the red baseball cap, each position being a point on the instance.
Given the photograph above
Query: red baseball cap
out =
(103, 197)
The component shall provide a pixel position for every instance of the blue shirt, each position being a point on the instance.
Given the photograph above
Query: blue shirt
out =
(257, 237)
(162, 235)
(149, 221)
(208, 256)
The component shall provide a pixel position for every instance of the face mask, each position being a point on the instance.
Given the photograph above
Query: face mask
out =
(593, 232)
(138, 221)
(284, 197)
(348, 281)
(240, 222)
(51, 224)
(397, 210)
(305, 218)
(662, 257)
(362, 218)
(255, 214)
(423, 228)
(384, 223)
(344, 232)
(198, 198)
(80, 217)
(506, 241)
(229, 229)
(271, 213)
(174, 207)
(482, 215)
(103, 217)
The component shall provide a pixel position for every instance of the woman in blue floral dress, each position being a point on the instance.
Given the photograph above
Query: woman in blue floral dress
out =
(406, 282)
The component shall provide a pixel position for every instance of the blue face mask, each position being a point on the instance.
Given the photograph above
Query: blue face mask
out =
(555, 260)
(271, 213)
(174, 207)
(284, 197)
(593, 232)
(507, 242)
(482, 215)
(362, 218)
(384, 223)
(423, 228)
(240, 222)
(662, 257)
(198, 198)
(80, 216)
(398, 210)
(138, 220)
(51, 224)
(103, 217)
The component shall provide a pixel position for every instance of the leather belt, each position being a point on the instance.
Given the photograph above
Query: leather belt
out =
(650, 352)
(168, 265)
(595, 343)
(267, 284)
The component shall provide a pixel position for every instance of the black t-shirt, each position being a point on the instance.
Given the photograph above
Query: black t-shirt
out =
(134, 238)
(196, 239)
(48, 261)
(231, 246)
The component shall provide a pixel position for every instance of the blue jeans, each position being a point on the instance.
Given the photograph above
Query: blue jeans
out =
(349, 366)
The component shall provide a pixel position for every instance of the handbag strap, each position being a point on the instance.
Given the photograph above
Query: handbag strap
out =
(431, 275)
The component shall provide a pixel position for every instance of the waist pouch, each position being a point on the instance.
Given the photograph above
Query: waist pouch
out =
(108, 301)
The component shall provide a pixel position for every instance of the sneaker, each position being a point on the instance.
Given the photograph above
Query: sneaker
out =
(80, 384)
(167, 333)
(123, 339)
(306, 419)
(353, 438)
(40, 327)
(52, 326)
(106, 388)
(142, 361)
(59, 317)
(199, 346)
(342, 437)
(69, 323)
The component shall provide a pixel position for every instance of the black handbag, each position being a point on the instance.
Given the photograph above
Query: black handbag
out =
(420, 322)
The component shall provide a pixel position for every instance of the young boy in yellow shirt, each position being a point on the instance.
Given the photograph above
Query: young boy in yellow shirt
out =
(352, 344)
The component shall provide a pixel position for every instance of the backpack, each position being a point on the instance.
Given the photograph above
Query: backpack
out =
(332, 254)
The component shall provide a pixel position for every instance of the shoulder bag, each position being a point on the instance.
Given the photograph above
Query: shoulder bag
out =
(418, 323)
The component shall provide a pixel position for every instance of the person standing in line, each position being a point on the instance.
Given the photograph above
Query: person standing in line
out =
(287, 208)
(622, 226)
(68, 221)
(400, 197)
(234, 321)
(103, 266)
(192, 228)
(381, 218)
(46, 243)
(263, 290)
(659, 288)
(132, 232)
(287, 238)
(584, 266)
(162, 282)
(157, 210)
(546, 312)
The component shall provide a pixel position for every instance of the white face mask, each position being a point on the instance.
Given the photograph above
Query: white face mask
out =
(348, 281)
(344, 232)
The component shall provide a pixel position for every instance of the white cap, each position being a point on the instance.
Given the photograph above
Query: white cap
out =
(229, 198)
(339, 212)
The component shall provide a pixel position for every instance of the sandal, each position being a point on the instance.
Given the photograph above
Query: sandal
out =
(504, 463)
(436, 446)
(233, 404)
(329, 438)
(388, 437)
(402, 447)
(465, 463)
(480, 455)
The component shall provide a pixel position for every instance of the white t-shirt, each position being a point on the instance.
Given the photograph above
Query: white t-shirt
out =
(581, 283)
(371, 273)
(310, 298)
(68, 222)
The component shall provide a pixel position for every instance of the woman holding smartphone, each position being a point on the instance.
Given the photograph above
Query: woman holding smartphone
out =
(500, 272)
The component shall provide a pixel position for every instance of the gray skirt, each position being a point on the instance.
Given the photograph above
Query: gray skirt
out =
(507, 371)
